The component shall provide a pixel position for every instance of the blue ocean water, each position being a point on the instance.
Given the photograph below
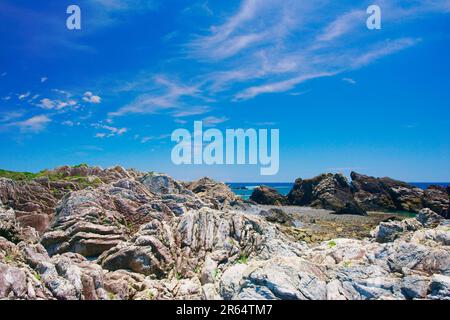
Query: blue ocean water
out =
(245, 189)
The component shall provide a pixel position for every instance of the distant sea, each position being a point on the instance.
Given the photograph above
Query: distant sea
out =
(245, 189)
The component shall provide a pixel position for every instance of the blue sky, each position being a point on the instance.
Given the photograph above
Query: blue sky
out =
(343, 97)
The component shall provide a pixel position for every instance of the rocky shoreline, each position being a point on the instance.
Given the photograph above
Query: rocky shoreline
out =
(364, 193)
(84, 233)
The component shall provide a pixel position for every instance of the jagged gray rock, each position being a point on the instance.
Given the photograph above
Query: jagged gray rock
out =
(144, 237)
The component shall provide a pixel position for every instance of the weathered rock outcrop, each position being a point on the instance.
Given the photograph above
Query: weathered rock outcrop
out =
(217, 194)
(414, 265)
(268, 196)
(384, 194)
(277, 215)
(327, 191)
(147, 236)
(32, 202)
(437, 199)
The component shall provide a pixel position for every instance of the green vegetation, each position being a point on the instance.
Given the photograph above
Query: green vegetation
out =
(38, 276)
(216, 273)
(82, 181)
(243, 259)
(9, 258)
(111, 296)
(332, 244)
(81, 165)
(150, 295)
(18, 176)
(178, 276)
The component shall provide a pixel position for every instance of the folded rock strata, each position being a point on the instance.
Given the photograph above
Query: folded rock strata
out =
(146, 236)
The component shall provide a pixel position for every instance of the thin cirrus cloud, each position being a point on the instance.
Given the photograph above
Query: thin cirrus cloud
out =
(212, 121)
(24, 95)
(109, 131)
(33, 125)
(49, 104)
(191, 111)
(165, 95)
(349, 80)
(284, 44)
(274, 47)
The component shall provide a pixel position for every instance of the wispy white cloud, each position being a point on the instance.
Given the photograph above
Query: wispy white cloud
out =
(281, 86)
(270, 46)
(34, 124)
(125, 5)
(9, 116)
(191, 111)
(212, 121)
(349, 80)
(153, 138)
(343, 24)
(43, 79)
(91, 98)
(24, 95)
(165, 95)
(273, 46)
(70, 123)
(382, 49)
(111, 131)
(49, 104)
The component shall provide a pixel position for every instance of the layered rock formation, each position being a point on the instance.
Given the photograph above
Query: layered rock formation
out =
(268, 196)
(327, 191)
(389, 194)
(364, 193)
(146, 236)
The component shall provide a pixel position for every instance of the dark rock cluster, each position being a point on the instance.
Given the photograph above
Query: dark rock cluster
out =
(362, 194)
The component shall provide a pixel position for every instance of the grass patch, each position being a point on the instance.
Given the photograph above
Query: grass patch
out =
(216, 273)
(243, 259)
(18, 176)
(111, 296)
(332, 244)
(82, 181)
(81, 165)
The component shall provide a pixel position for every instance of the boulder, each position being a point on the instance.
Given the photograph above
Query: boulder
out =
(386, 194)
(277, 215)
(327, 191)
(391, 230)
(159, 183)
(278, 278)
(437, 199)
(267, 196)
(415, 286)
(440, 287)
(429, 218)
(218, 194)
